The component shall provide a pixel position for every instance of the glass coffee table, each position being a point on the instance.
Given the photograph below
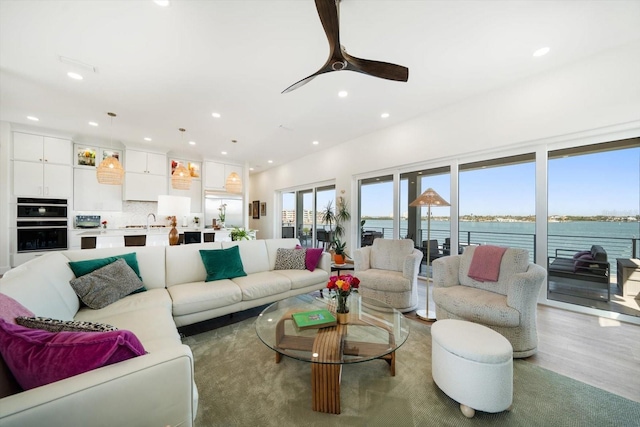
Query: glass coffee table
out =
(374, 330)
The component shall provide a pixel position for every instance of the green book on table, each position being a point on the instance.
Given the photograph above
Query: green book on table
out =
(314, 319)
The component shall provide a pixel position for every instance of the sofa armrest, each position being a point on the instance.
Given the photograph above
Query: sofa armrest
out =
(362, 259)
(446, 271)
(524, 288)
(411, 266)
(154, 389)
(325, 262)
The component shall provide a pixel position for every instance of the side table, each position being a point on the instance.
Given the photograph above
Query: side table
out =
(629, 277)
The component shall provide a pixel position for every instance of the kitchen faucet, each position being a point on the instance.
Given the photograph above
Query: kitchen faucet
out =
(154, 219)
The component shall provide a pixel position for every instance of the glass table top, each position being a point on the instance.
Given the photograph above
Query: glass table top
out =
(374, 329)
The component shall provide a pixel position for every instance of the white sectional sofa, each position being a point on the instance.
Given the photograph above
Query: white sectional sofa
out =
(157, 388)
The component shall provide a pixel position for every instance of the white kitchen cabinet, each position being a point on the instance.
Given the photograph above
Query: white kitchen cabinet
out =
(216, 175)
(89, 195)
(42, 166)
(43, 149)
(147, 163)
(44, 180)
(146, 176)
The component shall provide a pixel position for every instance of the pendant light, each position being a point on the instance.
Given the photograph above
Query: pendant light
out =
(110, 170)
(233, 183)
(181, 176)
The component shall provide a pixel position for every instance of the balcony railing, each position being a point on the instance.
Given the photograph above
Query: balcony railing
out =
(616, 247)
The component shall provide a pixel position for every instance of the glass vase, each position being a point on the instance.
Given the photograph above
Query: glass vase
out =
(342, 308)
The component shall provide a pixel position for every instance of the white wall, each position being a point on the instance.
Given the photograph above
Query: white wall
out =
(5, 137)
(588, 97)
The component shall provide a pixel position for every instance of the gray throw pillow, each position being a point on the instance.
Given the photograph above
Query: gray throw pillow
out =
(54, 325)
(106, 285)
(291, 259)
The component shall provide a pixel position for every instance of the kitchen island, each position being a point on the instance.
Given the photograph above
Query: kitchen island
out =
(153, 236)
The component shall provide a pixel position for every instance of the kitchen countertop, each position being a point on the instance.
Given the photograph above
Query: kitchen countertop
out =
(141, 231)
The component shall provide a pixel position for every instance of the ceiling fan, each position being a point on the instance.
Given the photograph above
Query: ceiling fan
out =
(339, 59)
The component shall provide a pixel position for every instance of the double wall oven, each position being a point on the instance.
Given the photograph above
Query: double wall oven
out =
(41, 225)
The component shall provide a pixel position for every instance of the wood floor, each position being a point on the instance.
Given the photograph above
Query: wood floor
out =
(602, 352)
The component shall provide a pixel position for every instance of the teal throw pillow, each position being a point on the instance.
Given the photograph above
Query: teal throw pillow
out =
(222, 263)
(80, 268)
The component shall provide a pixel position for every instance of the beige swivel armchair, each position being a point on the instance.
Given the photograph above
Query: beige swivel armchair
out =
(507, 306)
(388, 271)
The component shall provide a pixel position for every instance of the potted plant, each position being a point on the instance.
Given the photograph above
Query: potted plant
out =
(240, 234)
(340, 253)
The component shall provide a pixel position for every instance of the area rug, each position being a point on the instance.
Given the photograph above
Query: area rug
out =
(241, 385)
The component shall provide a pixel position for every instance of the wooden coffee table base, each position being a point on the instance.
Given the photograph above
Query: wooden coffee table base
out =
(329, 345)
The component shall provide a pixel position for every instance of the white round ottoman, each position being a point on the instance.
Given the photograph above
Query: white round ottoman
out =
(473, 365)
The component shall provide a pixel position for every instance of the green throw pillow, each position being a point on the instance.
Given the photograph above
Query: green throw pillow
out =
(222, 263)
(80, 268)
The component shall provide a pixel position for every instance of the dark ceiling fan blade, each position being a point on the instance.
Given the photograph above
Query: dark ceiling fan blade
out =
(384, 70)
(325, 69)
(329, 16)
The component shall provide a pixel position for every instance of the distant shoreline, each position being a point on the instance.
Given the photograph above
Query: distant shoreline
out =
(515, 218)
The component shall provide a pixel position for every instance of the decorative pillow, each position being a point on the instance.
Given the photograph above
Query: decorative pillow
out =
(10, 309)
(583, 262)
(222, 263)
(312, 258)
(37, 357)
(80, 268)
(290, 259)
(53, 325)
(579, 254)
(106, 285)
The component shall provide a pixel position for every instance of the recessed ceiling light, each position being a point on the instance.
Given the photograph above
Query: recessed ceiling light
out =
(250, 169)
(74, 76)
(541, 52)
(315, 143)
(223, 152)
(343, 93)
(147, 139)
(192, 143)
(93, 124)
(162, 3)
(384, 115)
(216, 115)
(35, 119)
(269, 161)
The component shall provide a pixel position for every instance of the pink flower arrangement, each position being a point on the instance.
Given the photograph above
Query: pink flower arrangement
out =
(343, 285)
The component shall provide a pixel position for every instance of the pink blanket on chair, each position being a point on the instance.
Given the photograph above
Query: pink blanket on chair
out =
(485, 264)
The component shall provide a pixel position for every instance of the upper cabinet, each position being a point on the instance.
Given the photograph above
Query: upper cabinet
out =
(43, 149)
(41, 166)
(215, 175)
(149, 163)
(146, 175)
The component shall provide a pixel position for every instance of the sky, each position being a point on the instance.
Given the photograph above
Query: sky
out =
(606, 183)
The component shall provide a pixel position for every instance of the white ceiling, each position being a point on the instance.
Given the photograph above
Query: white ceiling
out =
(160, 69)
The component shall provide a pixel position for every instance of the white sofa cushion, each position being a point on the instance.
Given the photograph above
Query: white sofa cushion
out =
(253, 254)
(200, 296)
(153, 298)
(303, 278)
(260, 285)
(477, 305)
(44, 287)
(385, 280)
(184, 263)
(150, 261)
